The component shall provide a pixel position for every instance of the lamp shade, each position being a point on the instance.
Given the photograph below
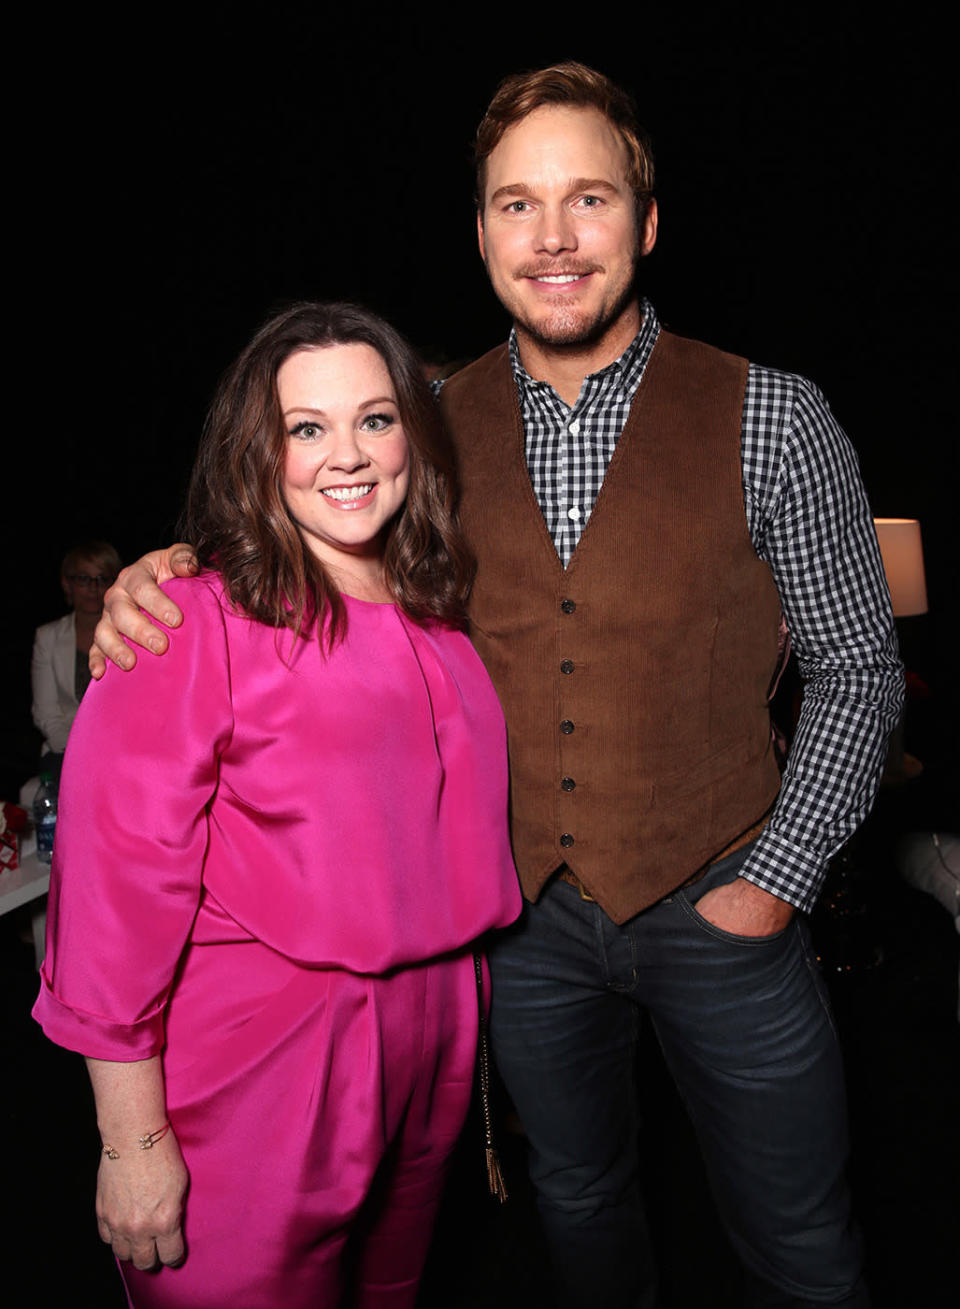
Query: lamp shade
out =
(902, 553)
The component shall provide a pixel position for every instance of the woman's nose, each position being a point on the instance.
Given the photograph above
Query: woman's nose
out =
(346, 451)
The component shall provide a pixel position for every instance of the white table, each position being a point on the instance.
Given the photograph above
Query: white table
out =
(24, 885)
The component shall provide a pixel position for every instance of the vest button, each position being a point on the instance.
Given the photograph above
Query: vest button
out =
(566, 840)
(568, 606)
(568, 784)
(566, 665)
(566, 727)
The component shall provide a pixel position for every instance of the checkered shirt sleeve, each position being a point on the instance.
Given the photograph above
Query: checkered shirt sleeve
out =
(809, 519)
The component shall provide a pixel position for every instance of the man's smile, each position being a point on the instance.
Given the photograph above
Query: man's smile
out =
(561, 277)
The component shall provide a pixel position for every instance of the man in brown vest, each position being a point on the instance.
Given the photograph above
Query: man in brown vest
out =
(646, 511)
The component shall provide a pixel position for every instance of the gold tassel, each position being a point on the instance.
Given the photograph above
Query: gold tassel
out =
(497, 1185)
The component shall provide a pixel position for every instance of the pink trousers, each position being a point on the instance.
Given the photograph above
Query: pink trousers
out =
(317, 1111)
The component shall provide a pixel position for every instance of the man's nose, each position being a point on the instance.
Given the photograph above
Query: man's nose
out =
(556, 230)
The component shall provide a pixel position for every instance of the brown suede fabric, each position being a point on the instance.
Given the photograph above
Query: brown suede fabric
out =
(657, 643)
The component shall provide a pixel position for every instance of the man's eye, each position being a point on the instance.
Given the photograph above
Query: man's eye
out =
(516, 207)
(591, 201)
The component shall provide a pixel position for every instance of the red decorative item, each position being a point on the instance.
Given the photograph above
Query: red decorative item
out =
(13, 820)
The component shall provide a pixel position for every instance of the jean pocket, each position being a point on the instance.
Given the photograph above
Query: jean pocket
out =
(720, 933)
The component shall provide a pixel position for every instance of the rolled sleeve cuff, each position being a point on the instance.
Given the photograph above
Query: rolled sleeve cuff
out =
(787, 871)
(95, 1036)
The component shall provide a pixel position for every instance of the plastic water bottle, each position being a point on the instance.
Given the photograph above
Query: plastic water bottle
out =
(45, 817)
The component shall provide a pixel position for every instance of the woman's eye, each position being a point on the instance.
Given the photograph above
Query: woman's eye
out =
(377, 422)
(306, 431)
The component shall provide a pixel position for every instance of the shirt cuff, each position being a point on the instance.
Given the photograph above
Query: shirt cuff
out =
(95, 1036)
(787, 871)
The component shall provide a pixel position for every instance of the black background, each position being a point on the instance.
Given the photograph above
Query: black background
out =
(187, 170)
(175, 172)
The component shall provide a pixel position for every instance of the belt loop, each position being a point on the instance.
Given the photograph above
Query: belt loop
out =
(566, 874)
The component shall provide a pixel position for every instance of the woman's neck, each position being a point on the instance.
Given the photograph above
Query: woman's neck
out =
(365, 582)
(373, 590)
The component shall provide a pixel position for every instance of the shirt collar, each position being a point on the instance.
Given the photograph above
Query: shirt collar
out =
(629, 367)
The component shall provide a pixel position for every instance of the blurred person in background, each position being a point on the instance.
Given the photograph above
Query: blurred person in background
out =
(59, 673)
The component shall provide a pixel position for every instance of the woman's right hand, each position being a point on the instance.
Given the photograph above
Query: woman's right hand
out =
(140, 1204)
(138, 588)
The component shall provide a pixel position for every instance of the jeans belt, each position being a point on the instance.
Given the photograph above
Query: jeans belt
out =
(566, 874)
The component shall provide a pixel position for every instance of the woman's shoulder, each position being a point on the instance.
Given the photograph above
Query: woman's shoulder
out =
(204, 591)
(201, 640)
(202, 600)
(206, 603)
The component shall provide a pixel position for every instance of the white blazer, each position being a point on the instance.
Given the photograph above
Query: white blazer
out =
(53, 673)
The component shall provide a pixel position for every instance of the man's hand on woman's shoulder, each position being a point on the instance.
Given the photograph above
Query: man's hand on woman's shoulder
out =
(132, 601)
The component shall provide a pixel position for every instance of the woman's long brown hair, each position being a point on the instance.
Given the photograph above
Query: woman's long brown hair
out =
(235, 513)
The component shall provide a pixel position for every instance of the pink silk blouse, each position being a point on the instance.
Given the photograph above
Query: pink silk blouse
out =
(346, 808)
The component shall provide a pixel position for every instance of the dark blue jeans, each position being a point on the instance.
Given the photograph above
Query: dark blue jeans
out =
(747, 1034)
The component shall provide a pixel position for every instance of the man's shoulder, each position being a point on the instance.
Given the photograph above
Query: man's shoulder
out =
(495, 363)
(774, 395)
(694, 366)
(670, 340)
(772, 383)
(778, 379)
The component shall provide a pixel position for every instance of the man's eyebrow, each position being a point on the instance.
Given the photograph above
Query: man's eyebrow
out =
(576, 184)
(502, 192)
(594, 184)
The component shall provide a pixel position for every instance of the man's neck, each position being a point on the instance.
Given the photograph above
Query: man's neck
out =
(565, 366)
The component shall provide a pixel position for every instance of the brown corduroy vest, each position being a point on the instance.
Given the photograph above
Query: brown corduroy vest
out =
(635, 682)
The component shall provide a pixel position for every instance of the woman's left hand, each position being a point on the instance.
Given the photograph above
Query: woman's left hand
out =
(140, 1204)
(140, 1192)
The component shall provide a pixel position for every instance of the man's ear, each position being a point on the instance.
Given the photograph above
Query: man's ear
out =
(483, 253)
(648, 227)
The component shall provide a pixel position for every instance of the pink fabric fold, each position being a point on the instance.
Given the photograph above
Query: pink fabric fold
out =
(346, 809)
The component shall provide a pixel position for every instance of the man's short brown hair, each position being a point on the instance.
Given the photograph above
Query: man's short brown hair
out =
(578, 86)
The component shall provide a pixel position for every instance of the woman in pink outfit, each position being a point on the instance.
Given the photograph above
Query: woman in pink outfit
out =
(279, 845)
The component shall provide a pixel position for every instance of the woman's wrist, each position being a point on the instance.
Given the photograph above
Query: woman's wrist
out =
(144, 1142)
(131, 1102)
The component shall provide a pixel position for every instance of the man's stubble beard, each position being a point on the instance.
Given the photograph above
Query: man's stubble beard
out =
(570, 329)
